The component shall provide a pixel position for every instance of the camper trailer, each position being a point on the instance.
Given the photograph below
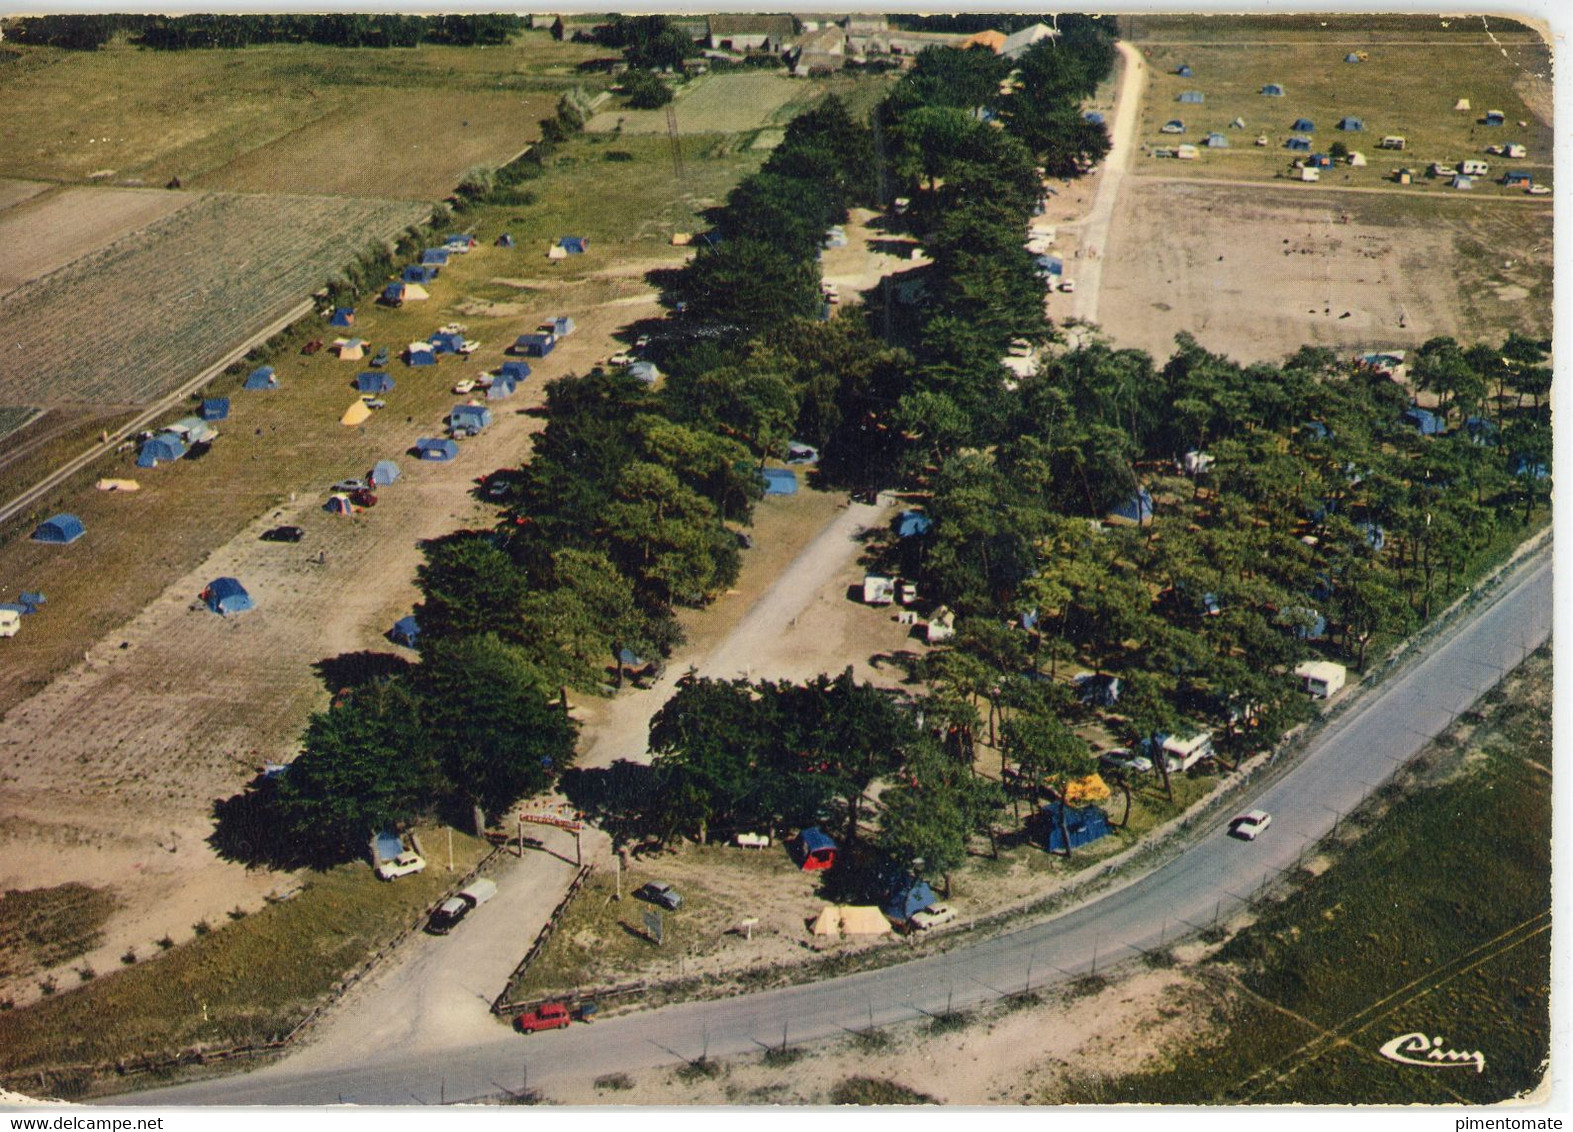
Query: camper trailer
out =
(1321, 679)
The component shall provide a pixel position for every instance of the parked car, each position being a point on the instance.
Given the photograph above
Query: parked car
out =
(363, 498)
(1250, 825)
(1068, 286)
(405, 864)
(351, 485)
(312, 347)
(447, 915)
(661, 894)
(906, 593)
(497, 487)
(283, 534)
(1538, 190)
(465, 386)
(1122, 760)
(932, 917)
(547, 1016)
(751, 840)
(641, 342)
(374, 402)
(621, 359)
(469, 346)
(381, 358)
(831, 292)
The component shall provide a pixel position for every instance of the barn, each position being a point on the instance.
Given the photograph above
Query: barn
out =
(62, 530)
(226, 596)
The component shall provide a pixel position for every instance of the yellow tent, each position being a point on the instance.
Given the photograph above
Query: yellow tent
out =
(414, 292)
(682, 239)
(351, 349)
(356, 414)
(829, 921)
(1080, 791)
(556, 252)
(863, 919)
(118, 485)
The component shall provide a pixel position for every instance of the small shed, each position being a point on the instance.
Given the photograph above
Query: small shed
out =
(342, 316)
(61, 530)
(574, 245)
(419, 273)
(383, 473)
(434, 257)
(261, 378)
(159, 449)
(814, 850)
(1273, 90)
(1135, 510)
(437, 449)
(534, 345)
(215, 408)
(1069, 827)
(374, 381)
(405, 632)
(1303, 126)
(469, 418)
(1351, 125)
(1191, 96)
(514, 371)
(779, 481)
(913, 524)
(226, 596)
(1321, 678)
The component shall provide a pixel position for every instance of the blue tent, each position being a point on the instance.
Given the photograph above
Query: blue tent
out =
(1136, 509)
(1524, 465)
(1320, 161)
(505, 240)
(393, 294)
(420, 357)
(1303, 126)
(1298, 143)
(434, 257)
(1082, 826)
(1315, 430)
(815, 849)
(261, 378)
(499, 388)
(226, 596)
(1273, 90)
(779, 481)
(514, 371)
(1210, 605)
(1481, 431)
(384, 473)
(446, 342)
(389, 845)
(1495, 118)
(1375, 536)
(1184, 70)
(30, 600)
(62, 530)
(1094, 117)
(419, 273)
(429, 448)
(574, 245)
(1351, 58)
(907, 897)
(1191, 96)
(1352, 125)
(342, 316)
(405, 632)
(215, 408)
(1423, 421)
(374, 381)
(163, 447)
(1217, 141)
(912, 524)
(1049, 265)
(534, 345)
(469, 418)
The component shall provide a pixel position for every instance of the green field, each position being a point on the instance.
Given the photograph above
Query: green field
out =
(1436, 919)
(1402, 88)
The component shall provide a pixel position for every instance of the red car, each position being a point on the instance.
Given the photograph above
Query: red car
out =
(547, 1016)
(363, 498)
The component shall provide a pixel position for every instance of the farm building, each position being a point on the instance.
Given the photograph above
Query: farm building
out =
(1495, 118)
(383, 473)
(419, 273)
(1351, 125)
(1303, 126)
(469, 418)
(261, 378)
(356, 415)
(226, 596)
(374, 381)
(1137, 509)
(62, 530)
(1302, 145)
(907, 896)
(1065, 827)
(1191, 96)
(1273, 90)
(215, 408)
(438, 450)
(501, 387)
(434, 257)
(1216, 141)
(559, 326)
(534, 345)
(574, 245)
(749, 32)
(645, 372)
(342, 316)
(405, 632)
(913, 524)
(514, 371)
(160, 449)
(1320, 678)
(779, 481)
(814, 849)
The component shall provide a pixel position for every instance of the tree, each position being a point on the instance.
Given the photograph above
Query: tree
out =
(667, 537)
(645, 90)
(747, 286)
(926, 821)
(469, 586)
(711, 751)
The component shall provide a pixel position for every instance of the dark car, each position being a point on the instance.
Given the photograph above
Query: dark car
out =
(312, 347)
(661, 894)
(381, 359)
(283, 534)
(363, 498)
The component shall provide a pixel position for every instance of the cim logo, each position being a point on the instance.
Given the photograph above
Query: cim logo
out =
(1429, 1053)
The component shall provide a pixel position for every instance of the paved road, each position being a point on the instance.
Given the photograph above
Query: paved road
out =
(1350, 757)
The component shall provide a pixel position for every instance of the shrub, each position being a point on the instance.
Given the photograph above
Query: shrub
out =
(645, 90)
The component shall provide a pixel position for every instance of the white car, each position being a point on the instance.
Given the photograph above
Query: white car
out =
(10, 622)
(1249, 826)
(465, 386)
(405, 864)
(752, 840)
(1538, 190)
(469, 346)
(933, 916)
(622, 359)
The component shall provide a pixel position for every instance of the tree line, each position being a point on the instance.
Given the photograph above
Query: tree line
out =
(232, 30)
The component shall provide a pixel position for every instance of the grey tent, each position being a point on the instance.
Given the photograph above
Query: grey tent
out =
(385, 472)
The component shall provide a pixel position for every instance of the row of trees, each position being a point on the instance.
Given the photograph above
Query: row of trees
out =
(209, 30)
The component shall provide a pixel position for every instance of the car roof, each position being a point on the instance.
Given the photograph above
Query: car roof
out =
(1254, 816)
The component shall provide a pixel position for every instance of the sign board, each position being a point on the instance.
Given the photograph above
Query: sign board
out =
(653, 925)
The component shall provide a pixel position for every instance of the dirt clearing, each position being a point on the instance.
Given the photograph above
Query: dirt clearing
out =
(1349, 270)
(51, 230)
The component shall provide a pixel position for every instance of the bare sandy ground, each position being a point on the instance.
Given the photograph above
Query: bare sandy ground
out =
(15, 192)
(43, 231)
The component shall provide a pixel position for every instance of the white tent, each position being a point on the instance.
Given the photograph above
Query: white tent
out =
(556, 252)
(1357, 159)
(414, 292)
